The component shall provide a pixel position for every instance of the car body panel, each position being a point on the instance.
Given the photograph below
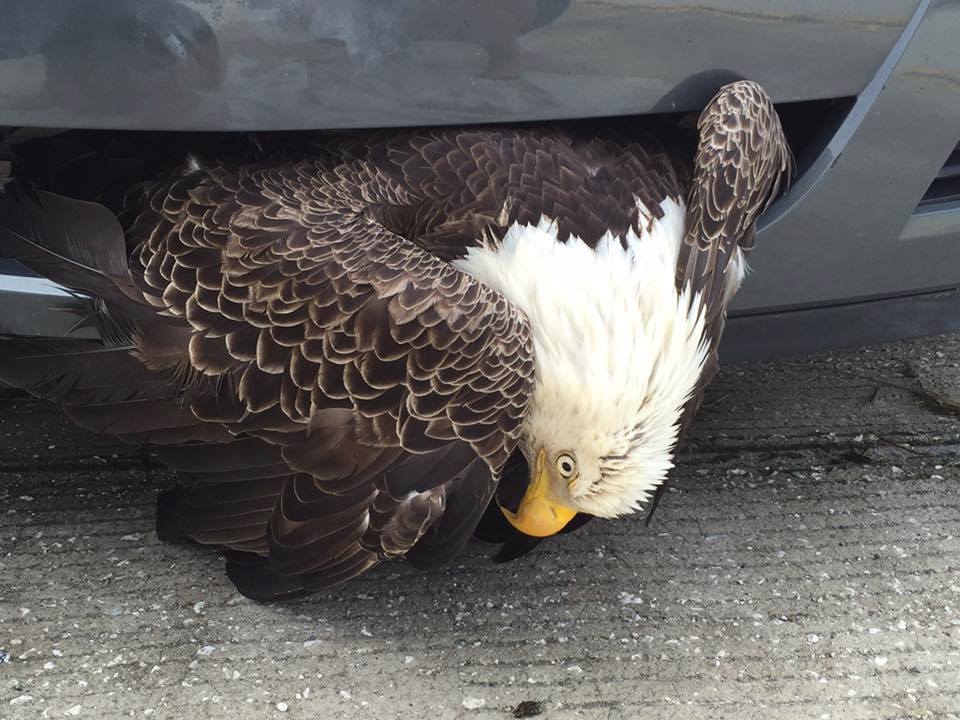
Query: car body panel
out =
(286, 64)
(839, 234)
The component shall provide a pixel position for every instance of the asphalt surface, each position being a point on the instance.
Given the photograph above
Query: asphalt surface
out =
(803, 565)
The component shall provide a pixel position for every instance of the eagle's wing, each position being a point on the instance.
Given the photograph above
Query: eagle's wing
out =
(381, 388)
(742, 163)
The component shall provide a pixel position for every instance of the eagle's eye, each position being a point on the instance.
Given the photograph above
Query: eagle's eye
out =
(566, 466)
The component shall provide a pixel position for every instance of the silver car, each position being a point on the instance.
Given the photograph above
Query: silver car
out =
(864, 247)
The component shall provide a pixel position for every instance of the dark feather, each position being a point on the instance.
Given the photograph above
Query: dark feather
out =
(468, 498)
(75, 243)
(254, 578)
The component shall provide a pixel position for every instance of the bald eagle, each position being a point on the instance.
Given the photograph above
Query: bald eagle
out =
(360, 351)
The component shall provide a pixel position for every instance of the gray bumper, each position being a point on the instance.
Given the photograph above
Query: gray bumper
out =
(35, 307)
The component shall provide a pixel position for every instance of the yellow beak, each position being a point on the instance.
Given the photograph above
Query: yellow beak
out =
(539, 515)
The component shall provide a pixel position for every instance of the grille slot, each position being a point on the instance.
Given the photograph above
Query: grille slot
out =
(946, 185)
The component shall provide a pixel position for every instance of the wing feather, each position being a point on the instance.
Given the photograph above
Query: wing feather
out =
(742, 164)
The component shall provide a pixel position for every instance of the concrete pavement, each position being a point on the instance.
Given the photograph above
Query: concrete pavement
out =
(803, 565)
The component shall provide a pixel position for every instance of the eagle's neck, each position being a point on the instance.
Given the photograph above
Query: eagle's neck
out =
(579, 297)
(618, 350)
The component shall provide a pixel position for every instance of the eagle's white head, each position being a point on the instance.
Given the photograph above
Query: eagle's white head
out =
(618, 352)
